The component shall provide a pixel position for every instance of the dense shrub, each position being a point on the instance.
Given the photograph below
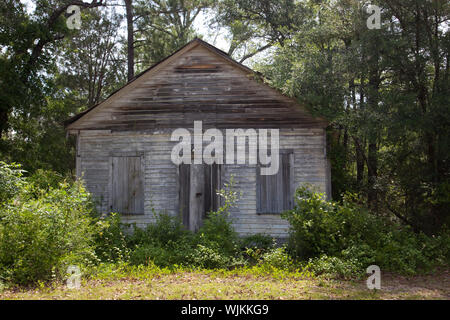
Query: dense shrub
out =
(40, 237)
(169, 255)
(257, 241)
(47, 224)
(209, 257)
(345, 232)
(11, 180)
(111, 240)
(319, 226)
(335, 266)
(217, 232)
(166, 242)
(42, 181)
(277, 258)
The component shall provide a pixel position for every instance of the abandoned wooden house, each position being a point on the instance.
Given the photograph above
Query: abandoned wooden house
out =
(124, 143)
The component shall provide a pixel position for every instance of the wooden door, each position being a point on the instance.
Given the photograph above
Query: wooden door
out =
(198, 192)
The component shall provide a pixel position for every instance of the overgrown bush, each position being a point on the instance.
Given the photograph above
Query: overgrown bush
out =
(217, 232)
(217, 229)
(47, 224)
(335, 267)
(110, 240)
(169, 255)
(11, 180)
(40, 237)
(319, 226)
(346, 232)
(166, 242)
(166, 228)
(258, 241)
(277, 258)
(43, 180)
(209, 257)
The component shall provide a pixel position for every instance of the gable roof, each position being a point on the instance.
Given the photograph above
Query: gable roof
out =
(190, 45)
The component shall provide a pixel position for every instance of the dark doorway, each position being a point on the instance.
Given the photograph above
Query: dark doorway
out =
(198, 192)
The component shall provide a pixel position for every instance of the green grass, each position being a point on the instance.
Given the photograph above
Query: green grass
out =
(244, 283)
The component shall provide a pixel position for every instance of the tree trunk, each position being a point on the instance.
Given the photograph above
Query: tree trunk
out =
(130, 38)
(3, 122)
(372, 157)
(360, 164)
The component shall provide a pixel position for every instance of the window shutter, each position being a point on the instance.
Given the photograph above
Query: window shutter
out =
(127, 185)
(275, 192)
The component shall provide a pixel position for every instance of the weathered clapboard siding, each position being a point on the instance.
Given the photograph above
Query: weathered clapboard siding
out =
(161, 175)
(173, 97)
(197, 83)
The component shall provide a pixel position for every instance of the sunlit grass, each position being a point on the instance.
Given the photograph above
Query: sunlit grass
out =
(153, 283)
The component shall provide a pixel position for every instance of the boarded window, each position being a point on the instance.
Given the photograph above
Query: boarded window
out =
(275, 193)
(198, 185)
(127, 196)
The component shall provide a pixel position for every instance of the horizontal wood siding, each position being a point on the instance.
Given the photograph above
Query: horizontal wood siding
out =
(161, 187)
(224, 96)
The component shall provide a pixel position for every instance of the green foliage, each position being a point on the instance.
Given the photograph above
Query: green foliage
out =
(165, 229)
(335, 267)
(40, 237)
(11, 180)
(169, 255)
(217, 228)
(166, 242)
(387, 108)
(42, 181)
(257, 241)
(345, 232)
(218, 231)
(320, 226)
(47, 225)
(277, 258)
(111, 240)
(208, 257)
(162, 34)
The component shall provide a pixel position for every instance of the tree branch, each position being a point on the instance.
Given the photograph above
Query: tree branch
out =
(255, 52)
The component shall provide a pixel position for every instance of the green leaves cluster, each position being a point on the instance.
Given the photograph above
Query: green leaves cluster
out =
(348, 234)
(42, 233)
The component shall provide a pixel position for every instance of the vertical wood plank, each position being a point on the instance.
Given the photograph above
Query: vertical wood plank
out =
(127, 181)
(184, 192)
(292, 181)
(197, 196)
(274, 193)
